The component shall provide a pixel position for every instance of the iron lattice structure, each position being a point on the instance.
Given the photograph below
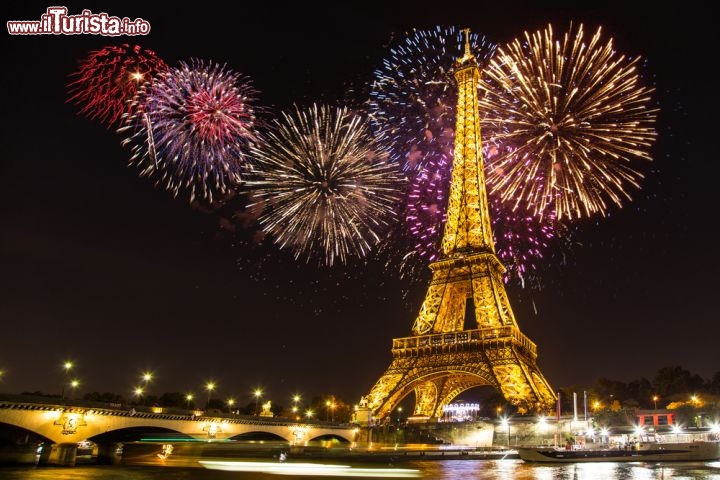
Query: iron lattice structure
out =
(441, 358)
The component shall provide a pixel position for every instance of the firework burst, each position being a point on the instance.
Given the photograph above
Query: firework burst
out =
(521, 238)
(191, 129)
(108, 79)
(577, 115)
(327, 187)
(414, 93)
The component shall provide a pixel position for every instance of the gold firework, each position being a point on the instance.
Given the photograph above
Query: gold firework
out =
(574, 116)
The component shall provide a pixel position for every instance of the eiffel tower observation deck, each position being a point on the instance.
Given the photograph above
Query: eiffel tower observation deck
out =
(443, 356)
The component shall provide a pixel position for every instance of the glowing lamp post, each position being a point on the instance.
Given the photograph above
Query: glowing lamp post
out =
(210, 386)
(138, 392)
(230, 403)
(74, 384)
(67, 366)
(257, 393)
(655, 399)
(330, 410)
(189, 398)
(146, 378)
(295, 408)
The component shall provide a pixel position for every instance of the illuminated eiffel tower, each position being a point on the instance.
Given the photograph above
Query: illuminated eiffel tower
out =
(441, 358)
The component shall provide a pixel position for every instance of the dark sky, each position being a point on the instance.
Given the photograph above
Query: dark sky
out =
(99, 266)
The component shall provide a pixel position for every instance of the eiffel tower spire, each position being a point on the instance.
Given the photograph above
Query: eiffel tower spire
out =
(444, 357)
(468, 218)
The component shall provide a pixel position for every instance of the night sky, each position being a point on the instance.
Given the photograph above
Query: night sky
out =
(100, 266)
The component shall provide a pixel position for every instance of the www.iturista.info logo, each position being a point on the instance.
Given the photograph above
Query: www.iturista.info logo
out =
(56, 21)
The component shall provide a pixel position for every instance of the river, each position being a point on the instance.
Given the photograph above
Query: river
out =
(428, 469)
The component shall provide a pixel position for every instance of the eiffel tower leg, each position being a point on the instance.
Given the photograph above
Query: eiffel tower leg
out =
(523, 385)
(392, 387)
(426, 399)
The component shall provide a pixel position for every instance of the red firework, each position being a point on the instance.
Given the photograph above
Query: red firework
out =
(108, 79)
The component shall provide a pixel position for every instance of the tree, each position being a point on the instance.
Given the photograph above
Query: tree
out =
(713, 386)
(610, 390)
(107, 397)
(674, 380)
(172, 399)
(641, 393)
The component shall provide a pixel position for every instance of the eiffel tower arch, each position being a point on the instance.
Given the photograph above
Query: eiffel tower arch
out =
(441, 358)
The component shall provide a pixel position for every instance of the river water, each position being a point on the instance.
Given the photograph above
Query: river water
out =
(429, 469)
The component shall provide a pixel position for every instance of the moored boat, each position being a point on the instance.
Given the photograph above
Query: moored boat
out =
(642, 451)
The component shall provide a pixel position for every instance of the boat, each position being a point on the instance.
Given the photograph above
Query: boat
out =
(650, 449)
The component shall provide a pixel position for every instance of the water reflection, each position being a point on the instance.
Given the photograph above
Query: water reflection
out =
(519, 470)
(429, 470)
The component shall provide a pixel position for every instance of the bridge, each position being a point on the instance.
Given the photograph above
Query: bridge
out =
(65, 426)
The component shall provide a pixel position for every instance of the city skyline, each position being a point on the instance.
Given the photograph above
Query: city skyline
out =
(105, 269)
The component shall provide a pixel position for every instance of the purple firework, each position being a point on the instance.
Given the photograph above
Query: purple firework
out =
(191, 129)
(520, 237)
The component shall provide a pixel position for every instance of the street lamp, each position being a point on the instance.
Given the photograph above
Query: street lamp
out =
(230, 402)
(330, 408)
(295, 408)
(189, 398)
(399, 412)
(258, 393)
(209, 386)
(138, 392)
(67, 366)
(655, 399)
(74, 384)
(146, 378)
(309, 413)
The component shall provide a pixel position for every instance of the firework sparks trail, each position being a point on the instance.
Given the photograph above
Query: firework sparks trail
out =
(108, 79)
(521, 238)
(577, 115)
(327, 187)
(413, 95)
(191, 129)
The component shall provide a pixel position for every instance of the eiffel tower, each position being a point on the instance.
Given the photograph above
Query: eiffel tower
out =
(441, 359)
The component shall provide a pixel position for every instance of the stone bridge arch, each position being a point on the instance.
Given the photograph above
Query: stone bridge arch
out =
(67, 426)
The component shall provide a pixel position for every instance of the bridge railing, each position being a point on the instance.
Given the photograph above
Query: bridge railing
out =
(20, 402)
